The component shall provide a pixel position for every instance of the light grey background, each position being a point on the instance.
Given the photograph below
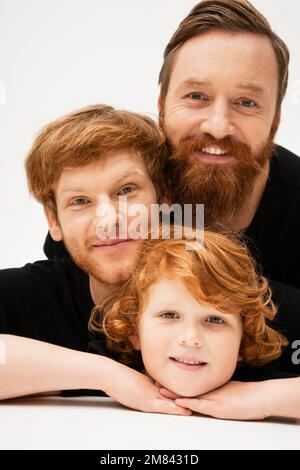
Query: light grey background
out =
(58, 55)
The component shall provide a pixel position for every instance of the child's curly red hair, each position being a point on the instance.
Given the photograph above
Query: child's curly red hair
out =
(221, 274)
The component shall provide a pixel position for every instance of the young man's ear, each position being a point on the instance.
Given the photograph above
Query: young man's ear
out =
(53, 224)
(135, 341)
(166, 196)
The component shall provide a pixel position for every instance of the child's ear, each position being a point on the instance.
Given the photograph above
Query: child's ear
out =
(240, 358)
(135, 341)
(53, 224)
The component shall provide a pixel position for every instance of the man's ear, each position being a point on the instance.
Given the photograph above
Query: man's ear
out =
(275, 124)
(159, 105)
(135, 341)
(53, 224)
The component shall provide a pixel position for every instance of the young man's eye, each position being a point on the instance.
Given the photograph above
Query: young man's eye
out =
(215, 320)
(125, 190)
(246, 103)
(169, 315)
(80, 201)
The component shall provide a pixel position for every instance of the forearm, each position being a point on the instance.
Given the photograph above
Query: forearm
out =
(283, 397)
(29, 367)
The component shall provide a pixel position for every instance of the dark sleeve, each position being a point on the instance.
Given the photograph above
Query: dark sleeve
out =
(14, 300)
(53, 249)
(287, 321)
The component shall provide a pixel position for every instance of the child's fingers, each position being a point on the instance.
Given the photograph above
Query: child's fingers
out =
(169, 407)
(167, 394)
(197, 405)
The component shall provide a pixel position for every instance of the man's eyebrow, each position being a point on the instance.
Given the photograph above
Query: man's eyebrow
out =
(193, 82)
(252, 87)
(127, 174)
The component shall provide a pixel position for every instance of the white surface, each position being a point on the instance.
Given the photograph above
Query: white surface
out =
(58, 55)
(100, 423)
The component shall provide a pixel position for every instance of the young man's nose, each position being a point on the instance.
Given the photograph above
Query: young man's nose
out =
(110, 216)
(217, 121)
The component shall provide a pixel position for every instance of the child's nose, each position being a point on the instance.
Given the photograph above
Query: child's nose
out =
(191, 340)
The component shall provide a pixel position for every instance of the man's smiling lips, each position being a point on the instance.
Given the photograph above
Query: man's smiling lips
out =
(213, 155)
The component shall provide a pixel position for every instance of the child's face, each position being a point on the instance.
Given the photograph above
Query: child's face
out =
(175, 327)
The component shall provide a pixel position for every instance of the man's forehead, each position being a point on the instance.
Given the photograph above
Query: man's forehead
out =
(250, 55)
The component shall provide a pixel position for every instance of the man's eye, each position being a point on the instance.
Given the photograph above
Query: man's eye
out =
(125, 190)
(80, 201)
(215, 320)
(197, 96)
(247, 103)
(168, 315)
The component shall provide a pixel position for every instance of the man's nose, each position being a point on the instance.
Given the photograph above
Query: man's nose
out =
(217, 121)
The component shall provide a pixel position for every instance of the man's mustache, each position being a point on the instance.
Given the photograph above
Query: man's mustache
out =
(239, 150)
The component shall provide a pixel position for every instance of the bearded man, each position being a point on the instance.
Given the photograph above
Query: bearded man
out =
(224, 76)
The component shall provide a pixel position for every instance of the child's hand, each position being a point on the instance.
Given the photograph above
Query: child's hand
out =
(163, 391)
(235, 400)
(137, 391)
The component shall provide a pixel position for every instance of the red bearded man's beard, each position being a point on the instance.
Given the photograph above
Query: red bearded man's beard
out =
(222, 188)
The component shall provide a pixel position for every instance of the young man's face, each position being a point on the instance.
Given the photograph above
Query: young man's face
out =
(82, 193)
(222, 97)
(176, 330)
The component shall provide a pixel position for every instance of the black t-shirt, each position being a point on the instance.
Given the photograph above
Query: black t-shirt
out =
(274, 234)
(275, 229)
(48, 301)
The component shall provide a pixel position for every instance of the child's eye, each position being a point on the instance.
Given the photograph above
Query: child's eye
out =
(169, 315)
(215, 320)
(80, 201)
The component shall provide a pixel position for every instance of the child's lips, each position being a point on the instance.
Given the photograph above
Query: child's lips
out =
(188, 363)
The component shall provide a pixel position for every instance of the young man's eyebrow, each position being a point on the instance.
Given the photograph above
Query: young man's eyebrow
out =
(127, 174)
(66, 189)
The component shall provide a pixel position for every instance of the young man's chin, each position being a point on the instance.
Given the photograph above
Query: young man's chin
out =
(108, 264)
